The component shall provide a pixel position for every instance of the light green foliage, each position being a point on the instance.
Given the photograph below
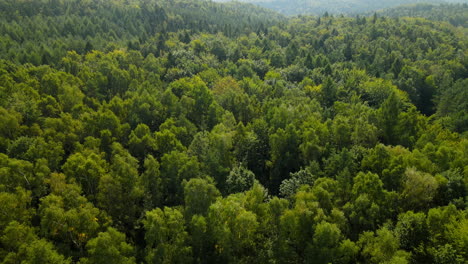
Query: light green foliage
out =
(328, 246)
(447, 227)
(411, 229)
(17, 173)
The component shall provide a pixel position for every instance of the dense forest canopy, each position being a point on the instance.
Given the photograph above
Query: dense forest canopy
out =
(177, 131)
(320, 7)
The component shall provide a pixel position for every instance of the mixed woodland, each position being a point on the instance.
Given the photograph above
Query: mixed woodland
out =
(177, 131)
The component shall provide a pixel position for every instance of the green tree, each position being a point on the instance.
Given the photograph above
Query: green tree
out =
(419, 190)
(175, 168)
(382, 247)
(329, 92)
(297, 227)
(412, 232)
(239, 179)
(199, 194)
(389, 112)
(452, 106)
(328, 246)
(289, 187)
(86, 168)
(36, 252)
(118, 192)
(284, 146)
(15, 207)
(109, 246)
(166, 237)
(141, 142)
(370, 204)
(68, 218)
(151, 183)
(234, 229)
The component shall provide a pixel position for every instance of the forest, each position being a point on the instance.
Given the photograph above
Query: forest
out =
(189, 131)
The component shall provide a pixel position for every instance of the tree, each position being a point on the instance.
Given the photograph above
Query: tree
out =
(328, 246)
(412, 232)
(239, 179)
(141, 142)
(382, 246)
(10, 123)
(15, 207)
(234, 229)
(297, 226)
(118, 191)
(389, 112)
(453, 106)
(86, 168)
(370, 204)
(284, 155)
(213, 150)
(230, 96)
(109, 246)
(291, 53)
(202, 241)
(175, 168)
(419, 190)
(151, 183)
(199, 194)
(166, 237)
(166, 141)
(67, 217)
(289, 187)
(36, 252)
(451, 187)
(329, 92)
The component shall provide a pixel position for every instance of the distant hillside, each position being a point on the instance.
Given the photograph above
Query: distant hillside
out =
(455, 14)
(82, 25)
(319, 7)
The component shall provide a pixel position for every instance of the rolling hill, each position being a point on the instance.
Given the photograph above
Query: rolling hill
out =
(319, 7)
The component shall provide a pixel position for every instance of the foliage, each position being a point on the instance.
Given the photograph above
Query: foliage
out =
(183, 131)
